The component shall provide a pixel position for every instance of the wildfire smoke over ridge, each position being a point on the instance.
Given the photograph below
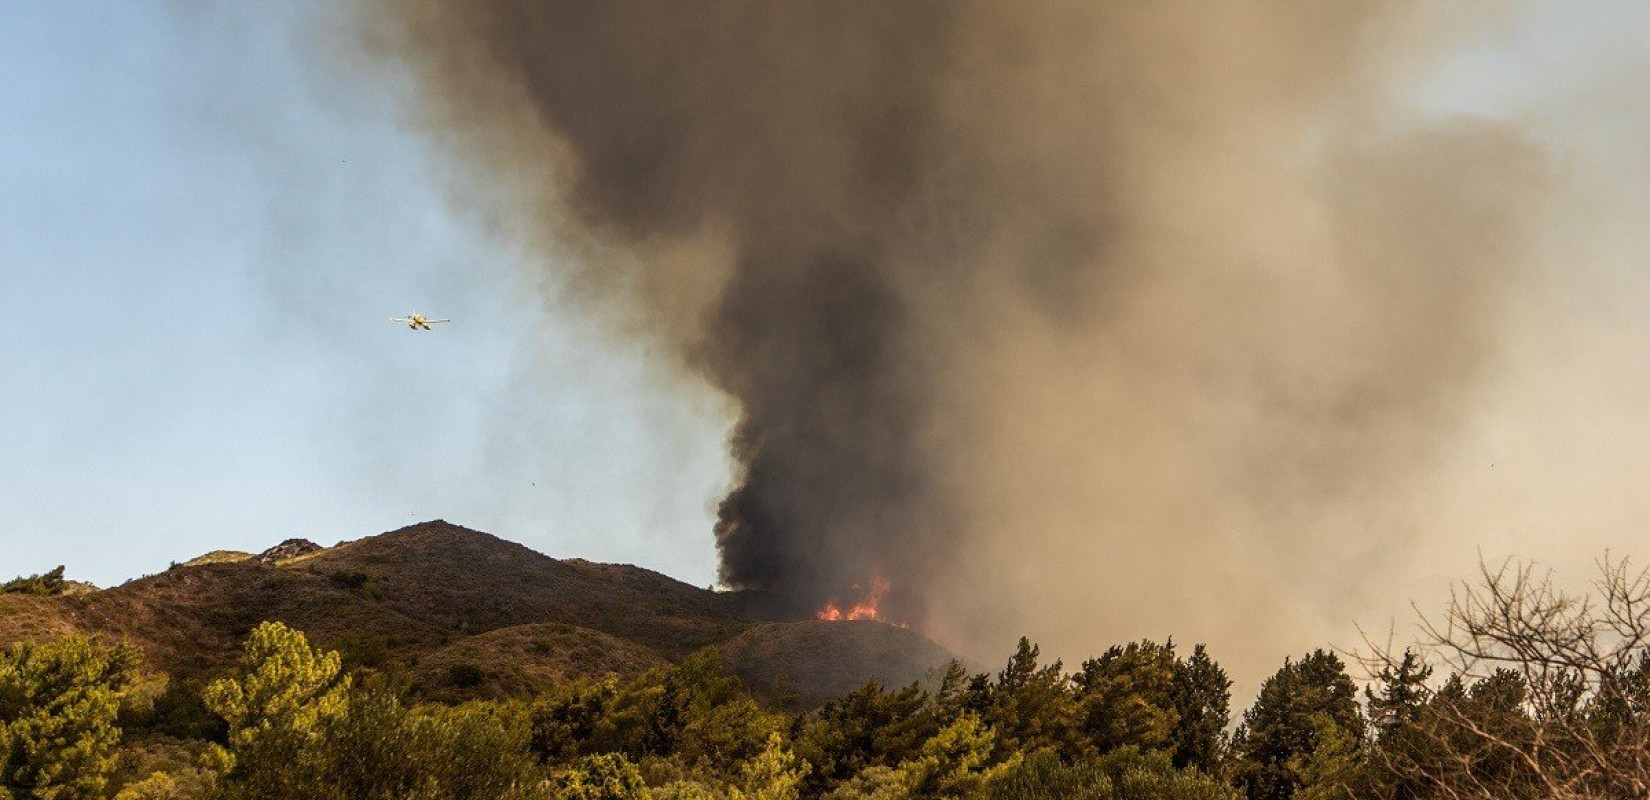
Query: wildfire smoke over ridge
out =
(1103, 316)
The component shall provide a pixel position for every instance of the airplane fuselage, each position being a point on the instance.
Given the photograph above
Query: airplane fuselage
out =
(417, 322)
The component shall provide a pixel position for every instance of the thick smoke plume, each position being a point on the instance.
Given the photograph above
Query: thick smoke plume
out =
(1124, 318)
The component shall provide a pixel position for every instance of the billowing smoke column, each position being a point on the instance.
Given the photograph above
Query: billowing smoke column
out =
(1027, 307)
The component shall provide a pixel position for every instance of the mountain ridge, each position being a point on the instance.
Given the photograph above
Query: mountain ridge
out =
(466, 614)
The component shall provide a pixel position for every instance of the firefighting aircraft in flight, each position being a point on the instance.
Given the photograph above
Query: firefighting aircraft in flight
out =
(418, 321)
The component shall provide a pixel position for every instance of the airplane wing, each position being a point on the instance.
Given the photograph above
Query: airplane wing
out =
(437, 321)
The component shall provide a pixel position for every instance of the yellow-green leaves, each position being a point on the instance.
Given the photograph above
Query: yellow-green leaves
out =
(58, 708)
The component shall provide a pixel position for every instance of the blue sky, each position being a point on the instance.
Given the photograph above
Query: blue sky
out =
(203, 231)
(205, 222)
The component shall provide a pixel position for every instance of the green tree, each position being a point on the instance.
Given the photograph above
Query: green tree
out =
(277, 701)
(59, 703)
(567, 721)
(609, 776)
(1283, 729)
(1466, 740)
(956, 762)
(1202, 698)
(694, 712)
(1123, 774)
(1334, 768)
(873, 783)
(1402, 696)
(951, 699)
(867, 727)
(1619, 711)
(382, 749)
(47, 583)
(1135, 775)
(1127, 697)
(774, 774)
(1398, 706)
(1032, 708)
(1045, 775)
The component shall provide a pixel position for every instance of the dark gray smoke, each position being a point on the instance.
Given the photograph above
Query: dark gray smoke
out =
(1021, 303)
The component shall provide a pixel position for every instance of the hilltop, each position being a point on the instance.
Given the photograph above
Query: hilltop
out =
(466, 614)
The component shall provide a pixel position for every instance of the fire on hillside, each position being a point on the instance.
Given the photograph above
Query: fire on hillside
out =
(865, 608)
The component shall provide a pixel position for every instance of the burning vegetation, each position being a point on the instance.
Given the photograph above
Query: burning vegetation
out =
(1003, 290)
(865, 608)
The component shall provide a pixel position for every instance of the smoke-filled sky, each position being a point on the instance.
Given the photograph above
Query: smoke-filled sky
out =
(1090, 321)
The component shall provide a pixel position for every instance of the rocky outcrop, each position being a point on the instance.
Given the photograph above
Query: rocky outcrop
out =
(289, 549)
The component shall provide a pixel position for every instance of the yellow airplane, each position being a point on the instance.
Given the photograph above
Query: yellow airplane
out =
(417, 321)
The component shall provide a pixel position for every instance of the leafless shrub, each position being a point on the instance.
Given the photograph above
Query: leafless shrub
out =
(1550, 696)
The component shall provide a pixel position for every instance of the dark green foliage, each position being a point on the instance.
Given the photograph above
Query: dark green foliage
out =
(1397, 707)
(179, 712)
(1123, 774)
(1452, 741)
(1202, 698)
(353, 581)
(1046, 777)
(573, 719)
(367, 652)
(1622, 703)
(1033, 708)
(1402, 696)
(47, 583)
(380, 749)
(1282, 731)
(464, 676)
(1152, 776)
(868, 727)
(951, 699)
(1127, 697)
(694, 712)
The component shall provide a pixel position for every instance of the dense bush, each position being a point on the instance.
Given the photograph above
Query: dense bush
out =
(46, 583)
(59, 702)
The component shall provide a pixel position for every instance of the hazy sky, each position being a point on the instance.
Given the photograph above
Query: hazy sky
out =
(204, 227)
(205, 222)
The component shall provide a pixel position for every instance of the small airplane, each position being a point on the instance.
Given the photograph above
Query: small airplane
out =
(418, 321)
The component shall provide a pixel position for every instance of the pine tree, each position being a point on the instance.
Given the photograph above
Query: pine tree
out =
(58, 707)
(1402, 697)
(1202, 699)
(609, 776)
(1128, 697)
(956, 762)
(1032, 707)
(47, 583)
(277, 702)
(1282, 730)
(868, 727)
(774, 774)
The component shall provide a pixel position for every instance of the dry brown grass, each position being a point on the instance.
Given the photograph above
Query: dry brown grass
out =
(434, 595)
(526, 660)
(820, 660)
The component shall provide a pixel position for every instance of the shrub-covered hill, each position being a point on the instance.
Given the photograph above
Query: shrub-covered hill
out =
(465, 614)
(821, 660)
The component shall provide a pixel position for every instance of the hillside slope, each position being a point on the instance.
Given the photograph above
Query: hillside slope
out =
(466, 614)
(820, 660)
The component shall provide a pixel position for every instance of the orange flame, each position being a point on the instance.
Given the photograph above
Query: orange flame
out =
(864, 609)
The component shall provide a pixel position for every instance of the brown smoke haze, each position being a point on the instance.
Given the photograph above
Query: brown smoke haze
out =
(1092, 320)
